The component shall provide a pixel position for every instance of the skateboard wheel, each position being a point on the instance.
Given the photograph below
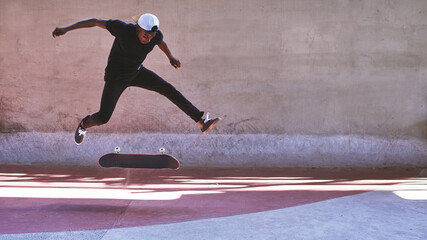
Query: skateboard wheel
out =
(117, 149)
(162, 150)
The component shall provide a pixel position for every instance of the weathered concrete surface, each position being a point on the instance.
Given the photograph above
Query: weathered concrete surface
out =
(93, 203)
(245, 150)
(280, 66)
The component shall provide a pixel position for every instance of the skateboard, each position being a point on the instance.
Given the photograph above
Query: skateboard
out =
(138, 161)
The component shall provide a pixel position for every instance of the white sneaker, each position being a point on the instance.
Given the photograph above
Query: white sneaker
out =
(80, 134)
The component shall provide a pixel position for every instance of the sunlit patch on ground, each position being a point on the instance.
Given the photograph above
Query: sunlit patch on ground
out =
(111, 198)
(22, 185)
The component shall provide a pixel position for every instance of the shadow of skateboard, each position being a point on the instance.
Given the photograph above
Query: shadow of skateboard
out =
(139, 161)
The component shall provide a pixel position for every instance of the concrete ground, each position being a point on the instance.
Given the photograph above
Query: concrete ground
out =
(192, 203)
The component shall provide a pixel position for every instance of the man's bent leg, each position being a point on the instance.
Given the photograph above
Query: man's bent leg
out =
(110, 95)
(151, 81)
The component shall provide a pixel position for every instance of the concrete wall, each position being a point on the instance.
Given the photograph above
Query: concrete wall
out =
(320, 68)
(218, 150)
(225, 150)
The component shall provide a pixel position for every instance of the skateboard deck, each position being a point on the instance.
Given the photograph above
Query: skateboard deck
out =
(139, 161)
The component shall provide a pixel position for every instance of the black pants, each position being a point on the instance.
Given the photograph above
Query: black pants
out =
(146, 79)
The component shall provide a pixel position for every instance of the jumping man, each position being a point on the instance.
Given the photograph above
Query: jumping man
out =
(124, 69)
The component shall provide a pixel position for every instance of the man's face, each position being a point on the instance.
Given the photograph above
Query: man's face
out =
(143, 35)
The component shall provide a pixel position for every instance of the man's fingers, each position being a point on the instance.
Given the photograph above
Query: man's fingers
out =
(177, 64)
(58, 32)
(55, 33)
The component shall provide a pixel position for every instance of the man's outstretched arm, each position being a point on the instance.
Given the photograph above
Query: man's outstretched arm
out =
(81, 24)
(174, 61)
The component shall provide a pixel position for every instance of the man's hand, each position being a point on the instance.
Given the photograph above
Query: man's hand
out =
(59, 31)
(175, 62)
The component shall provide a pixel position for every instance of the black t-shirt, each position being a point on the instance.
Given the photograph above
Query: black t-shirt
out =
(127, 52)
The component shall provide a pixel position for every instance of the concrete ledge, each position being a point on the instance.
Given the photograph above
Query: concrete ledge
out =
(247, 150)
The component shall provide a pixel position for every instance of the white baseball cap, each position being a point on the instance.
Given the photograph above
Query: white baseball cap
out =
(148, 22)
